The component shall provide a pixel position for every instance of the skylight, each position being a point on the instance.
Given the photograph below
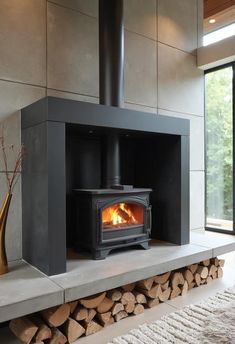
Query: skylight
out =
(220, 34)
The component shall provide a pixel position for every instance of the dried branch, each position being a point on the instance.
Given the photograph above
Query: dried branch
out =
(3, 149)
(11, 177)
(18, 164)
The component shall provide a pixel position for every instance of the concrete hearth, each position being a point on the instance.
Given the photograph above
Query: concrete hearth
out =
(85, 277)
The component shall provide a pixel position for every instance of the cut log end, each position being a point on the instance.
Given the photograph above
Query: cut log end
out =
(139, 309)
(162, 279)
(146, 284)
(177, 279)
(117, 307)
(121, 315)
(93, 301)
(57, 337)
(152, 302)
(105, 305)
(72, 330)
(24, 329)
(114, 295)
(80, 313)
(164, 295)
(91, 327)
(127, 297)
(56, 316)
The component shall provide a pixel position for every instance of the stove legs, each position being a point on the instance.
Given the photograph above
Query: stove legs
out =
(102, 253)
(145, 245)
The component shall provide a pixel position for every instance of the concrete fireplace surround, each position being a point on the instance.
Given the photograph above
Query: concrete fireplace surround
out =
(63, 141)
(161, 74)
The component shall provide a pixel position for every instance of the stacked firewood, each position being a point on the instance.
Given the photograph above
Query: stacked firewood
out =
(66, 323)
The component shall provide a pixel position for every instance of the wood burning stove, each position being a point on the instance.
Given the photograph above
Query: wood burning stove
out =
(115, 215)
(107, 219)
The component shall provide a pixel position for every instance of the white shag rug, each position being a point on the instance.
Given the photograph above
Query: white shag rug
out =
(210, 322)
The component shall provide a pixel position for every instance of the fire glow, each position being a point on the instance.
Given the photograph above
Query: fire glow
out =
(118, 215)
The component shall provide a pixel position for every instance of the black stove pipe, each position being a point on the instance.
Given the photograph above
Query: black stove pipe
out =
(111, 76)
(111, 52)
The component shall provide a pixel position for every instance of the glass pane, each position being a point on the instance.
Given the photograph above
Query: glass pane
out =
(122, 215)
(219, 175)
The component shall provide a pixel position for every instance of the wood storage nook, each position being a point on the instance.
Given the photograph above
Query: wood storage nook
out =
(68, 322)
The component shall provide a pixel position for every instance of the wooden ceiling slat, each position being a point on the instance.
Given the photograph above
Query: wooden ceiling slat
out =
(211, 7)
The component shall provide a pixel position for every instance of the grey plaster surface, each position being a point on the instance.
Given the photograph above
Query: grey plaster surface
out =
(79, 60)
(73, 96)
(140, 17)
(15, 96)
(142, 108)
(177, 24)
(12, 141)
(197, 199)
(180, 84)
(23, 41)
(24, 290)
(142, 88)
(87, 7)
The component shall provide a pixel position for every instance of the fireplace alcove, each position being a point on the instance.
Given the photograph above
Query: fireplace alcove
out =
(64, 144)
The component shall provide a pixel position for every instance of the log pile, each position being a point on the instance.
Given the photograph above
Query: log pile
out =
(66, 323)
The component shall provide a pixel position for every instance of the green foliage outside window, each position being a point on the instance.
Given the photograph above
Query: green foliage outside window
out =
(219, 137)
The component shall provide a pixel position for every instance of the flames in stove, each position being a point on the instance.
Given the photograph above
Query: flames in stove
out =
(122, 215)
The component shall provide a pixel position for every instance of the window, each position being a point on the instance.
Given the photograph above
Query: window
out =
(219, 35)
(219, 108)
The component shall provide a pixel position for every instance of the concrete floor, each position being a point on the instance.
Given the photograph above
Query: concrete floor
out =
(194, 296)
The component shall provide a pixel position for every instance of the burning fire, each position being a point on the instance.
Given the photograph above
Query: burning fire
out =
(118, 215)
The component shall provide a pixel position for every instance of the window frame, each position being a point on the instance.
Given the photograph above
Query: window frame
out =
(212, 229)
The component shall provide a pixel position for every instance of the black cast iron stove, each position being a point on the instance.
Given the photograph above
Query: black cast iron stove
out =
(110, 219)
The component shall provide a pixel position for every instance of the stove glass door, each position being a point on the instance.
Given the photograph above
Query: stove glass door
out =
(122, 215)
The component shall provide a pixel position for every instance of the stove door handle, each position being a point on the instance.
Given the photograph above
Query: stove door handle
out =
(149, 219)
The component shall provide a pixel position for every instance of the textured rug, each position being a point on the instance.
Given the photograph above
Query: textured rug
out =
(210, 322)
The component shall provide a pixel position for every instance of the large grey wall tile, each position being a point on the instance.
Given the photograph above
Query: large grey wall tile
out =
(140, 17)
(23, 41)
(72, 51)
(180, 82)
(140, 108)
(197, 162)
(11, 128)
(14, 96)
(14, 222)
(88, 7)
(73, 96)
(177, 23)
(197, 200)
(140, 70)
(200, 8)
